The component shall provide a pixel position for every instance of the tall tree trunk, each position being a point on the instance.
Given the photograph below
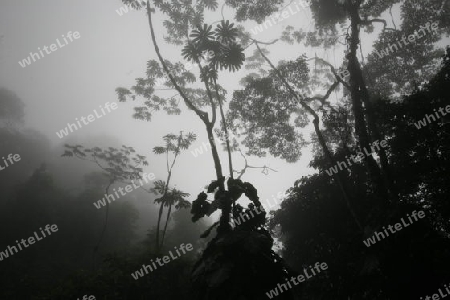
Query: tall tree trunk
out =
(161, 208)
(386, 170)
(338, 177)
(225, 129)
(165, 226)
(105, 224)
(358, 110)
(224, 222)
(226, 209)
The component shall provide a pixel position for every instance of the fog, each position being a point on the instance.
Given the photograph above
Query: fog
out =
(63, 67)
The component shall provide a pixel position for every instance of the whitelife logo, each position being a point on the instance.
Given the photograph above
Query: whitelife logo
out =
(31, 241)
(249, 214)
(280, 17)
(274, 292)
(359, 157)
(65, 132)
(10, 158)
(27, 61)
(125, 9)
(423, 122)
(85, 297)
(437, 296)
(245, 214)
(411, 38)
(205, 145)
(371, 241)
(166, 259)
(128, 188)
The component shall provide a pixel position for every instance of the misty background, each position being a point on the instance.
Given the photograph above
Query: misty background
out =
(45, 187)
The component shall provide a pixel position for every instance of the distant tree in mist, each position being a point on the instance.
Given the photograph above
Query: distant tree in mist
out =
(121, 165)
(170, 196)
(11, 109)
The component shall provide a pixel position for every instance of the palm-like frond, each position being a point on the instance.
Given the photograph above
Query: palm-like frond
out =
(183, 204)
(159, 150)
(159, 187)
(226, 32)
(200, 35)
(191, 52)
(210, 4)
(231, 57)
(209, 73)
(187, 140)
(169, 200)
(159, 200)
(179, 194)
(169, 137)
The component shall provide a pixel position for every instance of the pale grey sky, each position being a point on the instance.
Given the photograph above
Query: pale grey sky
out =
(112, 51)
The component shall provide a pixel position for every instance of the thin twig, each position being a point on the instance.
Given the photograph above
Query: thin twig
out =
(247, 166)
(392, 17)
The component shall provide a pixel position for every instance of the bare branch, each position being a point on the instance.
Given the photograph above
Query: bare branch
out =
(265, 43)
(392, 17)
(247, 166)
(370, 22)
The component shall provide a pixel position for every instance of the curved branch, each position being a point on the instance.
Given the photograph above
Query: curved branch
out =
(370, 22)
(225, 129)
(223, 16)
(203, 115)
(392, 17)
(221, 11)
(208, 91)
(105, 223)
(260, 42)
(265, 43)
